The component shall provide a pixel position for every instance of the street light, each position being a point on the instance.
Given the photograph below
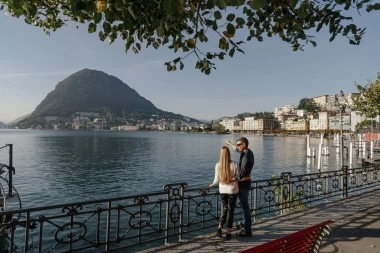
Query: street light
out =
(341, 104)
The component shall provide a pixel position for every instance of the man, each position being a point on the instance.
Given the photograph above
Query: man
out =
(246, 162)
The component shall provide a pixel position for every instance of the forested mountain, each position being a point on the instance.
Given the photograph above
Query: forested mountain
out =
(95, 91)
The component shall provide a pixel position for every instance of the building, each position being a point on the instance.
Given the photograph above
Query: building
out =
(324, 101)
(301, 113)
(283, 110)
(229, 123)
(264, 124)
(297, 125)
(335, 124)
(248, 124)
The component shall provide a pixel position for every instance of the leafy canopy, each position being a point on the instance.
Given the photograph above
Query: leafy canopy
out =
(183, 25)
(368, 102)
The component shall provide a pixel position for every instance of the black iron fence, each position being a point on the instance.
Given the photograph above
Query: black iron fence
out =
(148, 220)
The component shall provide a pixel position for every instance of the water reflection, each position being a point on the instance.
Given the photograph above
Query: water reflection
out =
(59, 166)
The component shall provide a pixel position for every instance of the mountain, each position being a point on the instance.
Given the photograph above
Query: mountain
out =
(95, 91)
(2, 125)
(15, 121)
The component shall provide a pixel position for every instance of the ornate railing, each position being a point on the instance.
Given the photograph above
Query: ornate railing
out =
(148, 220)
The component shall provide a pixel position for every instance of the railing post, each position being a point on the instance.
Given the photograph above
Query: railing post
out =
(174, 212)
(345, 181)
(285, 190)
(254, 201)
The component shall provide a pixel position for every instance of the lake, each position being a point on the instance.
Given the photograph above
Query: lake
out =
(68, 166)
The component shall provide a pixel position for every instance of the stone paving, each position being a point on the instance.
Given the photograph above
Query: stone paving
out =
(355, 228)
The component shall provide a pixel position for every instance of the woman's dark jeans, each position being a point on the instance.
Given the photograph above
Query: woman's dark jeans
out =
(229, 202)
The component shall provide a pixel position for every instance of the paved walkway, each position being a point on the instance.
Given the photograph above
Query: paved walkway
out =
(355, 228)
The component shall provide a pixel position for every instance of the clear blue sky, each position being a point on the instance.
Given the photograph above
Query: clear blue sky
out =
(269, 75)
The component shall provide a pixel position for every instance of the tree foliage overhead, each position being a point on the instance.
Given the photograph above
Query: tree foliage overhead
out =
(183, 25)
(368, 103)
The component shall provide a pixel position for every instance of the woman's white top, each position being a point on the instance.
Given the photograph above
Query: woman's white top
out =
(232, 187)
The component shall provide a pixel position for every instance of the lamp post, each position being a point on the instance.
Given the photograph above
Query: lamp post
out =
(339, 98)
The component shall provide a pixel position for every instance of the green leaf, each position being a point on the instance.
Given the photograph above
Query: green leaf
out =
(258, 4)
(373, 7)
(240, 21)
(340, 1)
(91, 28)
(230, 17)
(221, 4)
(303, 11)
(231, 29)
(170, 7)
(292, 3)
(217, 15)
(231, 53)
(97, 17)
(160, 31)
(177, 60)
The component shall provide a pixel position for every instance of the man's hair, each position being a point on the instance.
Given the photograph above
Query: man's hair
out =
(244, 140)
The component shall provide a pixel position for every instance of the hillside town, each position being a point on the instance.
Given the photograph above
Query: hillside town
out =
(284, 119)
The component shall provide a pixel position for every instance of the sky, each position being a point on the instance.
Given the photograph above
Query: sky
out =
(268, 75)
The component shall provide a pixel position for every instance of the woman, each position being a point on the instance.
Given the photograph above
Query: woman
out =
(225, 169)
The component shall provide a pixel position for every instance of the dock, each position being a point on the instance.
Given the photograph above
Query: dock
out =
(355, 228)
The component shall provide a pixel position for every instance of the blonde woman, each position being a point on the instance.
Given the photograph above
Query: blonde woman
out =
(225, 170)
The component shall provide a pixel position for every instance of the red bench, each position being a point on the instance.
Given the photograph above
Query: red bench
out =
(303, 241)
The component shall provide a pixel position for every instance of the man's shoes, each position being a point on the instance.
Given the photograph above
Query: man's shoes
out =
(244, 234)
(219, 233)
(228, 236)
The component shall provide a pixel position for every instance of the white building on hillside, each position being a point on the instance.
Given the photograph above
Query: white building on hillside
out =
(283, 110)
(301, 113)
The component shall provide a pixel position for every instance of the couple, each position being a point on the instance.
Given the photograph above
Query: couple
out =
(234, 181)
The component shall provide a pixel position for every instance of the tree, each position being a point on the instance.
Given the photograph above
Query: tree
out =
(183, 25)
(368, 103)
(308, 104)
(220, 129)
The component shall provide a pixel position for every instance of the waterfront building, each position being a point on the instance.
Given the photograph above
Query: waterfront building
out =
(248, 124)
(229, 123)
(264, 124)
(297, 125)
(127, 128)
(334, 122)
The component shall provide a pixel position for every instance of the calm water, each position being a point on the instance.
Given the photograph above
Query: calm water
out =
(66, 166)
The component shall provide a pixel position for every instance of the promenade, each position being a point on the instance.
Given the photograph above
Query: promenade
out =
(355, 228)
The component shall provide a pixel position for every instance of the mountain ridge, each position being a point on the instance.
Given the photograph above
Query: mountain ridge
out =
(95, 91)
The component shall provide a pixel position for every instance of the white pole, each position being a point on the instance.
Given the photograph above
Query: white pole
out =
(372, 143)
(322, 139)
(327, 151)
(313, 152)
(308, 146)
(351, 153)
(319, 156)
(364, 149)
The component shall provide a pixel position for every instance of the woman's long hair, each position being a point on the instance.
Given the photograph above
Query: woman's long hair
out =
(224, 165)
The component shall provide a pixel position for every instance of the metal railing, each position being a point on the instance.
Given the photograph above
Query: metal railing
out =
(148, 220)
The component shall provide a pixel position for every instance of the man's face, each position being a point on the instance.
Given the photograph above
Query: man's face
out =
(240, 145)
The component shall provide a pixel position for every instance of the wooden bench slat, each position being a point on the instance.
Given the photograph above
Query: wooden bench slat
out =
(302, 241)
